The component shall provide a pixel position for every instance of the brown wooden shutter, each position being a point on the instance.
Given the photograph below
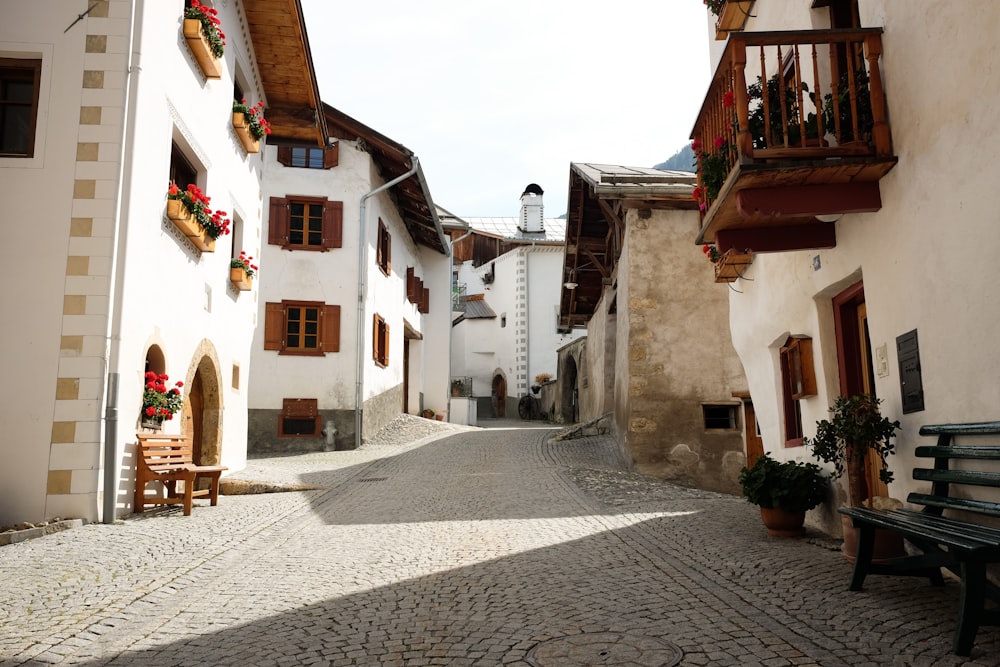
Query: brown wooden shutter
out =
(285, 155)
(385, 343)
(277, 221)
(331, 156)
(274, 326)
(375, 336)
(333, 224)
(299, 408)
(388, 251)
(331, 329)
(411, 284)
(425, 301)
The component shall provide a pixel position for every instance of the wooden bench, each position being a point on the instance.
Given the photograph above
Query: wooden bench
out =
(963, 547)
(167, 459)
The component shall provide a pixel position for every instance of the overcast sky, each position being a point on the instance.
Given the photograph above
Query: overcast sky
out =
(492, 95)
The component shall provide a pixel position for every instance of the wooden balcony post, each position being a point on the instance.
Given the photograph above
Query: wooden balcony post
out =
(744, 142)
(880, 129)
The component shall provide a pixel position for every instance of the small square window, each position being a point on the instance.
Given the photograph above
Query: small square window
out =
(720, 417)
(380, 342)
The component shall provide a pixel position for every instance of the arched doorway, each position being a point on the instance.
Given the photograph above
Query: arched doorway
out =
(202, 412)
(499, 395)
(570, 394)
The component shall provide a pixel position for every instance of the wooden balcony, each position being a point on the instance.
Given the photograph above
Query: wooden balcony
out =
(779, 161)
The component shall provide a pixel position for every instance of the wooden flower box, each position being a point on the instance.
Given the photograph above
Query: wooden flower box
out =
(238, 276)
(731, 266)
(201, 49)
(732, 17)
(182, 218)
(242, 127)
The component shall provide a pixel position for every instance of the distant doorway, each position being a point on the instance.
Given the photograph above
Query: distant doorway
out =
(854, 358)
(570, 393)
(499, 395)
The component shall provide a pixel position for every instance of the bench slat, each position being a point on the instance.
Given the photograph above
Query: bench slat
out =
(975, 428)
(978, 452)
(928, 527)
(973, 477)
(966, 504)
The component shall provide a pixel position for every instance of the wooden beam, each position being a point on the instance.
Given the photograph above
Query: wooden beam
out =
(798, 201)
(778, 239)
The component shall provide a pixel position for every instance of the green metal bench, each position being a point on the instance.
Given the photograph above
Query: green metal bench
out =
(963, 547)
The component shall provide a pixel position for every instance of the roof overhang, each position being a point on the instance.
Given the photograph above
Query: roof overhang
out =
(599, 197)
(392, 160)
(281, 48)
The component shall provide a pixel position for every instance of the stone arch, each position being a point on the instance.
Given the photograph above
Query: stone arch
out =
(498, 394)
(202, 412)
(569, 386)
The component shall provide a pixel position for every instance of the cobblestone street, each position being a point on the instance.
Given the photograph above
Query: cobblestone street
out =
(483, 546)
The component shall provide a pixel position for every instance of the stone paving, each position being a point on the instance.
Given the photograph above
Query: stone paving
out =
(467, 546)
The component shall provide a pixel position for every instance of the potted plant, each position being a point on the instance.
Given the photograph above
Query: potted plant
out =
(190, 212)
(203, 32)
(457, 387)
(784, 491)
(158, 402)
(242, 271)
(427, 413)
(855, 432)
(250, 124)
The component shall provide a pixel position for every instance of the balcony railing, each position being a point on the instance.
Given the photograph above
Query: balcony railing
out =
(786, 110)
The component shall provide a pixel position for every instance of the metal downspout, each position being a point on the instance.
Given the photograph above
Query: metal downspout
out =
(113, 348)
(362, 293)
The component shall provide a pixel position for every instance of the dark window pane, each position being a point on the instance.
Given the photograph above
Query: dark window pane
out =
(298, 426)
(19, 91)
(315, 238)
(298, 209)
(310, 342)
(293, 341)
(16, 124)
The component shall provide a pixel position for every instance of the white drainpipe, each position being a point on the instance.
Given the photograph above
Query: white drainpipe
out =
(362, 293)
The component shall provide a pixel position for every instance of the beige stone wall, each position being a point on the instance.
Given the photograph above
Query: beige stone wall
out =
(674, 355)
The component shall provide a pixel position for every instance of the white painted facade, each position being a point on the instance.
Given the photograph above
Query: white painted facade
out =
(111, 278)
(522, 341)
(332, 277)
(924, 258)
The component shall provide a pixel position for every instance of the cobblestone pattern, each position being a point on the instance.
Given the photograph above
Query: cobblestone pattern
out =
(462, 547)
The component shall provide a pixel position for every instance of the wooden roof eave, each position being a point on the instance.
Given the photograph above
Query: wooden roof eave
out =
(281, 49)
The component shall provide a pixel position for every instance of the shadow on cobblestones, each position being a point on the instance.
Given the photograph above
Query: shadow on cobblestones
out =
(467, 550)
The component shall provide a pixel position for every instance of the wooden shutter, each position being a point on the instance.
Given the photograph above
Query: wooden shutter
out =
(385, 342)
(331, 156)
(299, 408)
(277, 221)
(333, 224)
(331, 329)
(425, 301)
(388, 251)
(285, 155)
(274, 326)
(411, 284)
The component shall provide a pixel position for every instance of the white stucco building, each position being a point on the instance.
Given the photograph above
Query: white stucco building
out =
(110, 108)
(509, 267)
(355, 303)
(873, 256)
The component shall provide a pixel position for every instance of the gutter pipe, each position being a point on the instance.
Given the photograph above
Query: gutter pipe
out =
(362, 293)
(113, 349)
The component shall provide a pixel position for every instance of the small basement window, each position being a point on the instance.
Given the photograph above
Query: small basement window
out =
(299, 418)
(720, 417)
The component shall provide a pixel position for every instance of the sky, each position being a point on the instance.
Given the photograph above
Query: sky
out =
(493, 95)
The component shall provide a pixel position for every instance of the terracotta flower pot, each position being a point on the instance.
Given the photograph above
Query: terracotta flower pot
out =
(888, 543)
(780, 523)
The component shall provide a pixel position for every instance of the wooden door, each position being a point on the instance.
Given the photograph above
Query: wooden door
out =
(854, 357)
(754, 443)
(499, 397)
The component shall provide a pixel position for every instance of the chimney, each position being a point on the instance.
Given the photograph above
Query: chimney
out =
(532, 211)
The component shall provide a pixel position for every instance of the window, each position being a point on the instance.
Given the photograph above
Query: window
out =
(720, 417)
(19, 84)
(299, 417)
(795, 379)
(309, 157)
(308, 328)
(182, 172)
(305, 223)
(383, 252)
(380, 341)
